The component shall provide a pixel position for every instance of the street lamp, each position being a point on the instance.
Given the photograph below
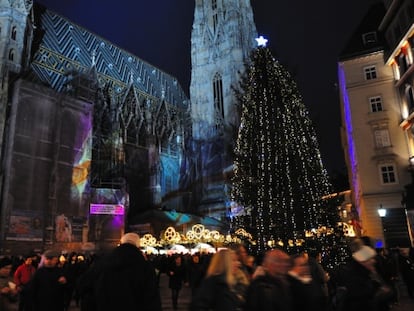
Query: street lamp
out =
(411, 160)
(382, 212)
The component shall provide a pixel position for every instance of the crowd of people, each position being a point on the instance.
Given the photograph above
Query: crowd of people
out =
(230, 279)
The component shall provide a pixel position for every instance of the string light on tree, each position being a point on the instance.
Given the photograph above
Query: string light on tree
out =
(279, 176)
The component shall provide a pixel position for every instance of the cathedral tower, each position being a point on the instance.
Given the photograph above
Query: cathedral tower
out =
(16, 32)
(223, 36)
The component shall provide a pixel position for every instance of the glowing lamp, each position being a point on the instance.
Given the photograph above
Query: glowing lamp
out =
(382, 212)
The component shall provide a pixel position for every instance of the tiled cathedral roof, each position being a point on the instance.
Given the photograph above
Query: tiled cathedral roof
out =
(64, 47)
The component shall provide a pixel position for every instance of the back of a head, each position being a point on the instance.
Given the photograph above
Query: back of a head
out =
(275, 254)
(240, 250)
(220, 262)
(276, 261)
(131, 238)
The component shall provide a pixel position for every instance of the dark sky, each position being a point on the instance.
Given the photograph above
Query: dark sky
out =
(306, 36)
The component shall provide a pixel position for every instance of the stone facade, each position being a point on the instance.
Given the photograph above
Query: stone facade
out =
(92, 112)
(223, 36)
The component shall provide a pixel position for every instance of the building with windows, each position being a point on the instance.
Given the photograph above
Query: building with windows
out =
(376, 130)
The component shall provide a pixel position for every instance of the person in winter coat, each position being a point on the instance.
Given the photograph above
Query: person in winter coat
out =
(307, 292)
(8, 291)
(126, 280)
(270, 289)
(178, 277)
(196, 272)
(224, 286)
(22, 276)
(364, 287)
(47, 287)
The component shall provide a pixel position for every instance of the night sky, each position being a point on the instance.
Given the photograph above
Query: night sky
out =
(306, 36)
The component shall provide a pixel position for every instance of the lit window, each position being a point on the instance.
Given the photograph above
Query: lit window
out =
(370, 73)
(388, 174)
(382, 138)
(375, 103)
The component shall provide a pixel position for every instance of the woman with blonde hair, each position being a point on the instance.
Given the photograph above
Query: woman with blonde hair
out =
(224, 286)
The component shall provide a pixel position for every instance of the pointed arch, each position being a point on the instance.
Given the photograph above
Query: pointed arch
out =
(13, 33)
(218, 97)
(11, 55)
(214, 15)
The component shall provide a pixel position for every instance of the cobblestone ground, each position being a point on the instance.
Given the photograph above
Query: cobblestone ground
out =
(184, 299)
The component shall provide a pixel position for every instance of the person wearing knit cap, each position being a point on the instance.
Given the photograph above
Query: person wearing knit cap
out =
(131, 238)
(125, 280)
(47, 286)
(365, 288)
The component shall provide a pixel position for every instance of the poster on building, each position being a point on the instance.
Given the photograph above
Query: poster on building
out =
(25, 226)
(63, 228)
(107, 214)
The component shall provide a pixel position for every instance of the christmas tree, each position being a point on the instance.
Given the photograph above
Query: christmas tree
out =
(280, 185)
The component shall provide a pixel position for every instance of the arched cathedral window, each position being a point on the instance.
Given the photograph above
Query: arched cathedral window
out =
(215, 14)
(11, 55)
(14, 33)
(218, 96)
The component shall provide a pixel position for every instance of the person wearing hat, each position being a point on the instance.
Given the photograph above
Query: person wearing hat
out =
(48, 284)
(125, 280)
(365, 288)
(8, 291)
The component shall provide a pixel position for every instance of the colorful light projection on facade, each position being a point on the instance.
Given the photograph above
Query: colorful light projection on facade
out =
(349, 132)
(107, 214)
(82, 159)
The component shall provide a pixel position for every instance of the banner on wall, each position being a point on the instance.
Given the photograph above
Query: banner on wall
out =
(107, 214)
(25, 226)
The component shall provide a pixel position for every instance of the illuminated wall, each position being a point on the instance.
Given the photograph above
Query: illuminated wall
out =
(107, 213)
(48, 157)
(350, 147)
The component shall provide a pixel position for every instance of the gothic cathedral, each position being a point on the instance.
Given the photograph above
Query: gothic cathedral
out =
(92, 137)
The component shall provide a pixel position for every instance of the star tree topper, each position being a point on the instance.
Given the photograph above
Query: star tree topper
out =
(261, 41)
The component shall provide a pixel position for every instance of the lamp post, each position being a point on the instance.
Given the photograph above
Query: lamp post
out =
(382, 212)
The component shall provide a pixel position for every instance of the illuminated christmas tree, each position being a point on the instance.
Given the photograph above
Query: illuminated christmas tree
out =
(279, 180)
